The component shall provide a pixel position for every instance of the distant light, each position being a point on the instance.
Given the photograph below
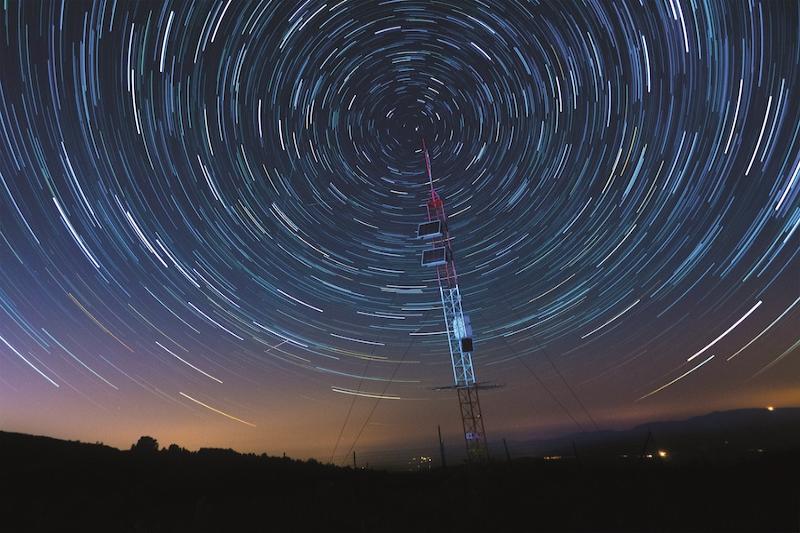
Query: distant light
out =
(663, 454)
(770, 408)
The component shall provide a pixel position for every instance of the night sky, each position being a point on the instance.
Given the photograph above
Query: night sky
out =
(208, 215)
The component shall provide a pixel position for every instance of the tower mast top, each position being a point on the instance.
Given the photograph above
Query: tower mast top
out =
(428, 166)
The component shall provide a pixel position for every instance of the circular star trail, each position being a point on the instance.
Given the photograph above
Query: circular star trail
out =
(213, 204)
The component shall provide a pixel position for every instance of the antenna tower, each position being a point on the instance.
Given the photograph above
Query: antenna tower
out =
(457, 324)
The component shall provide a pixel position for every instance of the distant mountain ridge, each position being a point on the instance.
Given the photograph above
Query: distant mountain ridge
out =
(738, 431)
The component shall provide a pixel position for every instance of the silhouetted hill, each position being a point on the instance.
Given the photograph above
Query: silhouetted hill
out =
(55, 485)
(36, 444)
(716, 436)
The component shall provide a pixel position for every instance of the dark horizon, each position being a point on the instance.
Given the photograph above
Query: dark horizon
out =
(701, 428)
(145, 489)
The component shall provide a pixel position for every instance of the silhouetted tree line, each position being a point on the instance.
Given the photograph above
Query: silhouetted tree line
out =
(64, 486)
(147, 444)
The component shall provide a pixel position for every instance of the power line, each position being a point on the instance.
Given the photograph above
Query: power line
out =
(553, 396)
(539, 380)
(350, 410)
(546, 388)
(378, 400)
(353, 401)
(560, 375)
(569, 387)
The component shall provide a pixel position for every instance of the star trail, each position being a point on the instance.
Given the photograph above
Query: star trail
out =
(208, 211)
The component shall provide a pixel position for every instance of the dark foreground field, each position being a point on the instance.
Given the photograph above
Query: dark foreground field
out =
(52, 485)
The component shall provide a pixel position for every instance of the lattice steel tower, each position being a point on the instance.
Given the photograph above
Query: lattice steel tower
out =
(459, 329)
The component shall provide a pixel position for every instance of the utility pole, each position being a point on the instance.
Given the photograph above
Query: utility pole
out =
(646, 444)
(354, 460)
(457, 324)
(508, 455)
(441, 447)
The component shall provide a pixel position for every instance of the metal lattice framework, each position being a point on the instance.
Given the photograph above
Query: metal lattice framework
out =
(459, 329)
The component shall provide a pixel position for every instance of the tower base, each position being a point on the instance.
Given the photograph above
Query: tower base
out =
(472, 420)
